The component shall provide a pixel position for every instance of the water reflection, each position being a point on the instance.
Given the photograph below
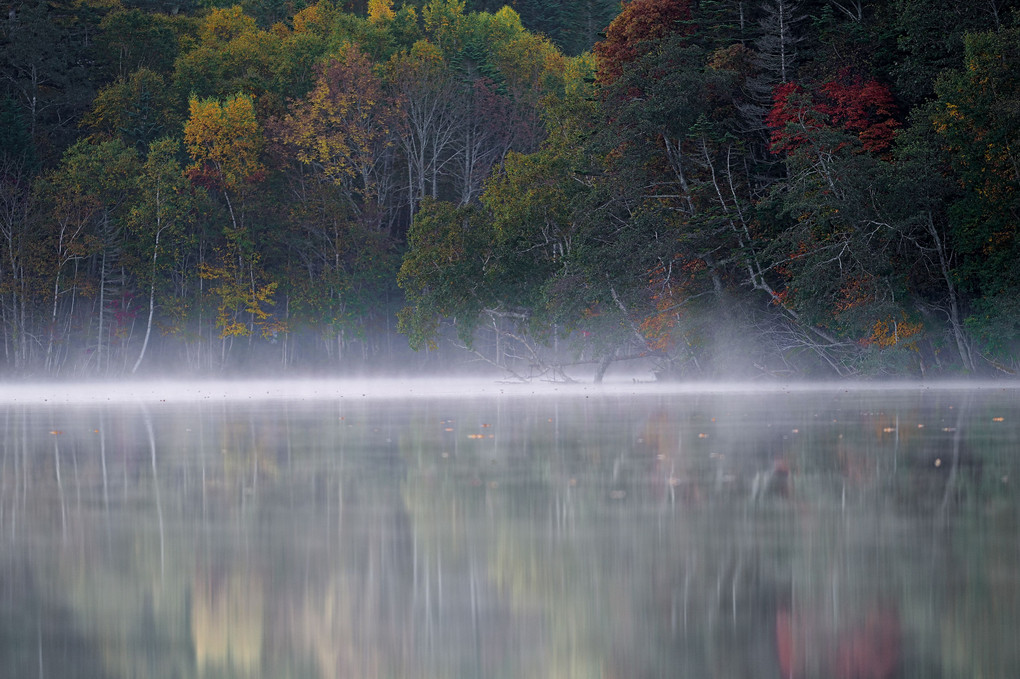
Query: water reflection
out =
(829, 534)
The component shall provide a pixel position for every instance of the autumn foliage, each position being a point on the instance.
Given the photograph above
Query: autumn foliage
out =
(343, 120)
(635, 32)
(604, 187)
(863, 108)
(225, 141)
(671, 285)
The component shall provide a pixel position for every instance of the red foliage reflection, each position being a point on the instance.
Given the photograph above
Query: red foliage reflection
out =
(868, 649)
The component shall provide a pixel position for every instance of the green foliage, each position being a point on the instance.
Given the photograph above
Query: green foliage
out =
(233, 54)
(443, 272)
(163, 217)
(93, 181)
(442, 21)
(532, 205)
(930, 38)
(808, 183)
(15, 139)
(137, 109)
(977, 115)
(132, 39)
(44, 67)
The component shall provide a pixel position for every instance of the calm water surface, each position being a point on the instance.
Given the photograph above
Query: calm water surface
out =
(830, 534)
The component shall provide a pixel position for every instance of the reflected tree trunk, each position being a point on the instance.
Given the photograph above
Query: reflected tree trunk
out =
(60, 485)
(155, 486)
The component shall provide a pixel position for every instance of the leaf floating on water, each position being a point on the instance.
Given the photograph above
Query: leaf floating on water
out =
(484, 426)
(56, 432)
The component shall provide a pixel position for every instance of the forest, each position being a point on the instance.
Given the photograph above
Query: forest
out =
(718, 188)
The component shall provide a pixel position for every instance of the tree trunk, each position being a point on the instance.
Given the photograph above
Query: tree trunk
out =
(954, 307)
(102, 309)
(148, 325)
(53, 323)
(152, 286)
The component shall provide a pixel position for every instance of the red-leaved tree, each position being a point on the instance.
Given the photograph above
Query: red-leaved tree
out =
(634, 32)
(863, 108)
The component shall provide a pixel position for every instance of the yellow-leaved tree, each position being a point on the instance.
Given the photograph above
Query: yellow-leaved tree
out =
(342, 129)
(380, 10)
(225, 142)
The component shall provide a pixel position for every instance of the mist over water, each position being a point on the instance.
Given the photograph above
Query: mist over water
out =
(417, 528)
(320, 389)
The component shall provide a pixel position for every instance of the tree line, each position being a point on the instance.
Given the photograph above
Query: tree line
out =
(792, 187)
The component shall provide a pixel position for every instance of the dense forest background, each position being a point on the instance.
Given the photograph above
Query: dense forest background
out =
(723, 187)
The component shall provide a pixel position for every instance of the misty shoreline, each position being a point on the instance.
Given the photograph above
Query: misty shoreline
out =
(320, 389)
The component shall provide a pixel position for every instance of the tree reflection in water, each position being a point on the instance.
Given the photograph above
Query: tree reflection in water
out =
(830, 534)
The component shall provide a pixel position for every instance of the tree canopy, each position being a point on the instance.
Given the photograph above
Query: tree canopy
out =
(722, 187)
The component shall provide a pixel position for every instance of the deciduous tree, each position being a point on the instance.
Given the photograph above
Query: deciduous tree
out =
(160, 221)
(88, 195)
(138, 108)
(977, 117)
(225, 141)
(343, 128)
(852, 104)
(636, 31)
(428, 93)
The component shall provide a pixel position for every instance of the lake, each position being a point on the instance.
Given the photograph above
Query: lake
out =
(348, 530)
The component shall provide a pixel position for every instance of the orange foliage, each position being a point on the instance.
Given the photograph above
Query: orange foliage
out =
(889, 332)
(670, 286)
(857, 292)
